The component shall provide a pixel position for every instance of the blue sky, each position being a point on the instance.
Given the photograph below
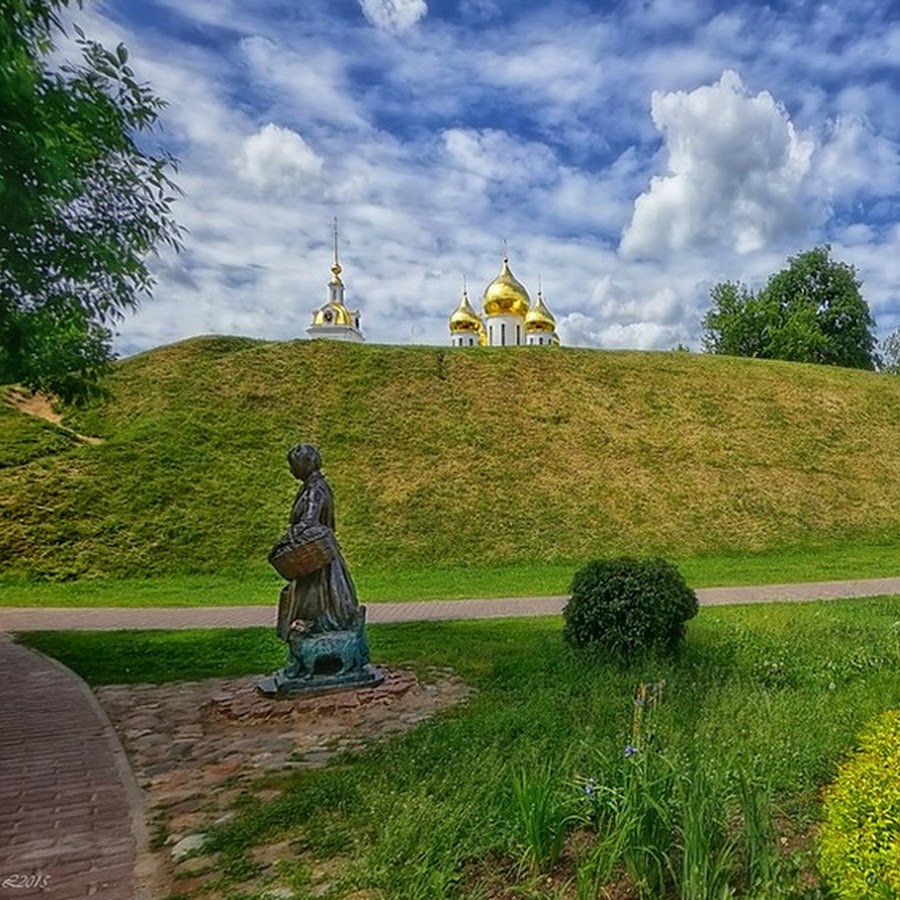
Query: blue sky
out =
(631, 153)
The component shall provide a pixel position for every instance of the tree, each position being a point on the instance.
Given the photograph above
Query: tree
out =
(890, 347)
(82, 204)
(811, 311)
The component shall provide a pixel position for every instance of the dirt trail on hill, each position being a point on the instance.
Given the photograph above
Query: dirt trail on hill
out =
(39, 405)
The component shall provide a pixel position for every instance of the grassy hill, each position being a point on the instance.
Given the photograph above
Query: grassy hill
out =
(449, 457)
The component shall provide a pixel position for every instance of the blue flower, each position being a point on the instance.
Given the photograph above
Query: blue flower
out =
(630, 751)
(589, 788)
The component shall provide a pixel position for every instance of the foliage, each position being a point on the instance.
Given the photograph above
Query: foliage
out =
(890, 353)
(543, 817)
(627, 606)
(405, 818)
(812, 311)
(860, 839)
(82, 203)
(667, 454)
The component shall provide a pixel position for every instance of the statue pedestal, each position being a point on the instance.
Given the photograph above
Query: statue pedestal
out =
(322, 662)
(281, 685)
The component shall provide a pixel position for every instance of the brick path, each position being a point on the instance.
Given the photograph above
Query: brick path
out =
(70, 812)
(69, 806)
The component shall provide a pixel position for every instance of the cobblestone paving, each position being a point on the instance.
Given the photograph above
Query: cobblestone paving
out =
(195, 747)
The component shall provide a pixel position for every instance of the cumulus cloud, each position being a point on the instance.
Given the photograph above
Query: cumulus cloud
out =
(393, 15)
(491, 155)
(854, 159)
(737, 173)
(278, 159)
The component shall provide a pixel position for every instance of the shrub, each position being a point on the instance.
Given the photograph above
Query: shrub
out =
(859, 854)
(628, 605)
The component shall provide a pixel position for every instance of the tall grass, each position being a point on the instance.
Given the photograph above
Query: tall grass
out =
(601, 453)
(779, 692)
(543, 817)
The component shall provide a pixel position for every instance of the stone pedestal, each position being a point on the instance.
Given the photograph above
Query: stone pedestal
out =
(281, 685)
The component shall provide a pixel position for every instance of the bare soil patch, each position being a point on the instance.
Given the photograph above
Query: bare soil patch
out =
(40, 406)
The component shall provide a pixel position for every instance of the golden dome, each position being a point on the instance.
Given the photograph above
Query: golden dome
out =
(333, 314)
(505, 295)
(482, 334)
(465, 318)
(540, 318)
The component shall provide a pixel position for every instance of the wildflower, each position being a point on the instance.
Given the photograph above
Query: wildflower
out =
(630, 751)
(589, 788)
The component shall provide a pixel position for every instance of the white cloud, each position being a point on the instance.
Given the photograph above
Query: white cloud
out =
(491, 155)
(737, 171)
(393, 15)
(310, 86)
(277, 158)
(855, 159)
(433, 148)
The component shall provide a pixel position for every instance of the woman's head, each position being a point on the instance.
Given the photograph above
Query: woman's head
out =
(303, 460)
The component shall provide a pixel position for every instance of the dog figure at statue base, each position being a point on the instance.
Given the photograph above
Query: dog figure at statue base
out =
(327, 653)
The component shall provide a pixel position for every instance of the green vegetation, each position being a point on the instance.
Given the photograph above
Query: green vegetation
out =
(811, 311)
(628, 606)
(860, 856)
(890, 353)
(260, 585)
(601, 454)
(82, 202)
(760, 702)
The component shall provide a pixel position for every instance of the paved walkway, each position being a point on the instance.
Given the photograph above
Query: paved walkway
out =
(14, 619)
(71, 815)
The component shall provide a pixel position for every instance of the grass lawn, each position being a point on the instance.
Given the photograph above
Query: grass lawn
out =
(769, 696)
(261, 585)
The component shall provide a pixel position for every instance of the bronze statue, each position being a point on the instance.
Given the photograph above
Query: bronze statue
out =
(319, 615)
(325, 599)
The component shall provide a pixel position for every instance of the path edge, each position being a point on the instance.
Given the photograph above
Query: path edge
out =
(148, 876)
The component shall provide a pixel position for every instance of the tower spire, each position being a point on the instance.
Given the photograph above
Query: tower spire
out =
(335, 265)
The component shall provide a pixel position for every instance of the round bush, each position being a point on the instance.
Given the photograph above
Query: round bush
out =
(628, 605)
(859, 854)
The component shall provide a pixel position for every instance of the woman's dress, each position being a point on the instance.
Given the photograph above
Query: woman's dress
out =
(326, 597)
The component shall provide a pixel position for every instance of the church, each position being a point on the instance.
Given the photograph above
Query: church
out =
(509, 317)
(333, 320)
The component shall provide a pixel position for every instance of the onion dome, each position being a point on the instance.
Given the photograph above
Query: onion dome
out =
(505, 295)
(464, 318)
(333, 314)
(540, 318)
(482, 335)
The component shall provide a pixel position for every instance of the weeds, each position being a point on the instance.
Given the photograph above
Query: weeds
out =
(543, 818)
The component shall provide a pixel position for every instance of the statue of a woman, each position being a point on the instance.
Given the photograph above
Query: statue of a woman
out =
(324, 600)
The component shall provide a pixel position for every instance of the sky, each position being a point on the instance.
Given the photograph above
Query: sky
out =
(630, 155)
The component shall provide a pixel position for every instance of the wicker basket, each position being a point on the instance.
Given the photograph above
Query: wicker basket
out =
(303, 551)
